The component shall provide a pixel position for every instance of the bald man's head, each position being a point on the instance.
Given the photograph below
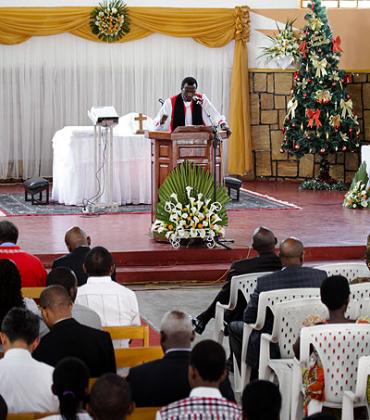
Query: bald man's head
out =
(291, 252)
(76, 237)
(55, 304)
(263, 240)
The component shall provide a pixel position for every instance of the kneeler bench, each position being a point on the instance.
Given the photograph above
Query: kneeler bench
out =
(35, 186)
(233, 184)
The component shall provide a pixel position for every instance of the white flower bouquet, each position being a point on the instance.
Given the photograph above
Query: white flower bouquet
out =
(358, 195)
(186, 212)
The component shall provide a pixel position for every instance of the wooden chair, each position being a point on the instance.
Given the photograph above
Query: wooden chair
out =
(32, 292)
(144, 413)
(28, 416)
(133, 356)
(140, 332)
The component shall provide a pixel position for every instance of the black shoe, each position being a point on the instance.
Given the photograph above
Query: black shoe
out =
(199, 325)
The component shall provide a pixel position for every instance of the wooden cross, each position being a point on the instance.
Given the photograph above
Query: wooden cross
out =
(140, 118)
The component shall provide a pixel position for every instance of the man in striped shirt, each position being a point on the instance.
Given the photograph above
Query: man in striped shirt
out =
(206, 371)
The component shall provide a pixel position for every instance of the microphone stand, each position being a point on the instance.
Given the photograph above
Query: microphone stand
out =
(216, 141)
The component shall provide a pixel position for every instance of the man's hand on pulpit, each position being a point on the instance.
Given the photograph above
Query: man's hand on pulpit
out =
(226, 128)
(163, 119)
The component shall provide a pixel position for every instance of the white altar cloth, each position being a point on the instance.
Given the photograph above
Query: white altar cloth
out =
(365, 157)
(74, 172)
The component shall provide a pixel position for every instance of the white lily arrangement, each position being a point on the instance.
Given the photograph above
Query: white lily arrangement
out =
(197, 218)
(358, 196)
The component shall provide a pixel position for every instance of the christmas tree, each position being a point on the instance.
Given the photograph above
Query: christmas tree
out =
(320, 115)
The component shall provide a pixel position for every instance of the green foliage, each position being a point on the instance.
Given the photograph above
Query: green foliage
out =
(358, 195)
(188, 174)
(360, 175)
(317, 185)
(109, 21)
(320, 118)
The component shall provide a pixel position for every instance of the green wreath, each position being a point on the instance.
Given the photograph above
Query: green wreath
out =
(109, 21)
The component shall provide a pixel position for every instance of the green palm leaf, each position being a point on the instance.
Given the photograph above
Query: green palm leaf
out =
(189, 174)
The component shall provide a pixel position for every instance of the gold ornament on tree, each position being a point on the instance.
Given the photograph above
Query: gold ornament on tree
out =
(335, 121)
(323, 96)
(347, 107)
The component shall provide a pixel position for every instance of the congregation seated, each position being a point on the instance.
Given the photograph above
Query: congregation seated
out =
(11, 293)
(25, 383)
(114, 303)
(293, 275)
(207, 370)
(66, 278)
(163, 381)
(110, 398)
(69, 338)
(335, 295)
(78, 245)
(261, 400)
(31, 269)
(263, 242)
(70, 385)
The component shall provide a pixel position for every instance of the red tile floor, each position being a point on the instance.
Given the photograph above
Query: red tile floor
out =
(328, 231)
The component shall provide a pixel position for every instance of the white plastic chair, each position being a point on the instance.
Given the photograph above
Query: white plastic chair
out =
(266, 300)
(288, 322)
(359, 292)
(339, 347)
(359, 397)
(365, 308)
(348, 270)
(245, 283)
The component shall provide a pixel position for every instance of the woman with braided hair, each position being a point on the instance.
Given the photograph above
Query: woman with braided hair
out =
(70, 385)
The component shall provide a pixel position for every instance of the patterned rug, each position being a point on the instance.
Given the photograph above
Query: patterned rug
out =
(13, 204)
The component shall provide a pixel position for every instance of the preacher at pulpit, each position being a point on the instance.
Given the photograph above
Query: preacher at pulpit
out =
(188, 108)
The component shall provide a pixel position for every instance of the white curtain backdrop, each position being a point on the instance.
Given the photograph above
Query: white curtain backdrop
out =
(50, 82)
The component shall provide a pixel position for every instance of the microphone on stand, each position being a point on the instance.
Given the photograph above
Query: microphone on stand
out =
(198, 100)
(161, 101)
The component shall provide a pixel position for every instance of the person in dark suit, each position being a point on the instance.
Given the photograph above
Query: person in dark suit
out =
(78, 244)
(68, 338)
(293, 275)
(263, 242)
(165, 380)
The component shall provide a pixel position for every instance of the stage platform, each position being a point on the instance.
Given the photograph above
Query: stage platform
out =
(329, 232)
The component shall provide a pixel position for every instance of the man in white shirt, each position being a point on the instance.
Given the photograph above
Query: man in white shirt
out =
(25, 383)
(114, 303)
(207, 369)
(188, 108)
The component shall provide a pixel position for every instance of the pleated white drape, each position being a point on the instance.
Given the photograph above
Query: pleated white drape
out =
(50, 82)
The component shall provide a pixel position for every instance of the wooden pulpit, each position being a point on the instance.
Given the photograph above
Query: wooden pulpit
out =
(185, 143)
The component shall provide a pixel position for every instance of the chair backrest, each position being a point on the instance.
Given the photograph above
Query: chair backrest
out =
(288, 321)
(348, 270)
(32, 292)
(271, 298)
(365, 308)
(133, 356)
(363, 371)
(339, 347)
(143, 413)
(140, 332)
(246, 283)
(360, 292)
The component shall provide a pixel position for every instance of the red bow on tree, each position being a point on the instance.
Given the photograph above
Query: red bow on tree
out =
(302, 48)
(314, 117)
(336, 45)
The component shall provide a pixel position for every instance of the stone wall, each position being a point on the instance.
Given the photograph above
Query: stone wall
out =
(269, 94)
